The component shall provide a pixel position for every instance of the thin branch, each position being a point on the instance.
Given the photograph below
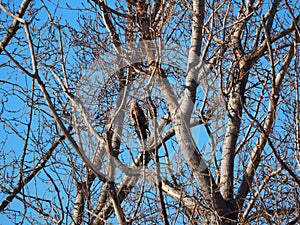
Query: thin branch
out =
(257, 193)
(40, 165)
(266, 129)
(12, 30)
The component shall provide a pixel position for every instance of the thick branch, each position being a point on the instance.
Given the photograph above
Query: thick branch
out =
(12, 30)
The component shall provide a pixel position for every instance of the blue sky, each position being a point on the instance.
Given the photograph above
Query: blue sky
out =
(16, 143)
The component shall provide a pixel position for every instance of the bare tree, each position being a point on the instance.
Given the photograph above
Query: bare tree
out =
(149, 112)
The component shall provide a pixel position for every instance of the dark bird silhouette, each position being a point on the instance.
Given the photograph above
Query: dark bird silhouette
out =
(139, 120)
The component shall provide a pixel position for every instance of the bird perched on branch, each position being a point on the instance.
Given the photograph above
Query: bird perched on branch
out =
(139, 120)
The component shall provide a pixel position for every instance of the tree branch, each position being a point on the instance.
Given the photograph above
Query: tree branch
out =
(12, 30)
